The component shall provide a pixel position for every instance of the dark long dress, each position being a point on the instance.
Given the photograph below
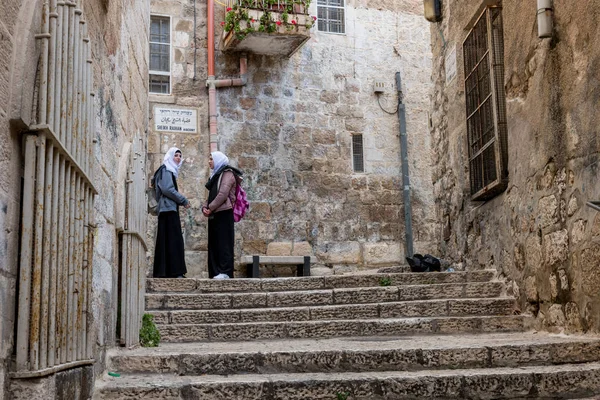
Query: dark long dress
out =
(169, 255)
(221, 239)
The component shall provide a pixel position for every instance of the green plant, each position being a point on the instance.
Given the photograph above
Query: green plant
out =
(385, 281)
(342, 395)
(238, 22)
(149, 335)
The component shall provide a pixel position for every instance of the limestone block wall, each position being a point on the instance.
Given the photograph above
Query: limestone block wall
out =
(118, 34)
(539, 233)
(290, 129)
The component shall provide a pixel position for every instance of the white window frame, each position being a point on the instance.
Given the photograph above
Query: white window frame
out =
(152, 72)
(345, 17)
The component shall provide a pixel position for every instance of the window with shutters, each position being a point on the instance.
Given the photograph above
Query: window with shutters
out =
(160, 54)
(331, 16)
(483, 51)
(358, 164)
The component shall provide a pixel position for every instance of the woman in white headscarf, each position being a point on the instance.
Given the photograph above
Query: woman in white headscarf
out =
(169, 259)
(219, 210)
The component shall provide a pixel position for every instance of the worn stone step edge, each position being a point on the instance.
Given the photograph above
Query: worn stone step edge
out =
(358, 360)
(341, 328)
(567, 380)
(158, 285)
(179, 301)
(405, 309)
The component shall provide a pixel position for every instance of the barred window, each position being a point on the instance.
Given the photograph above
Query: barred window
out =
(358, 163)
(160, 55)
(483, 51)
(331, 16)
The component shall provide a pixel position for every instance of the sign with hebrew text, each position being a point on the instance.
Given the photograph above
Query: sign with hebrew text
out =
(175, 120)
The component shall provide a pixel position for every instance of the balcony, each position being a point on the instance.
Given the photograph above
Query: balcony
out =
(266, 27)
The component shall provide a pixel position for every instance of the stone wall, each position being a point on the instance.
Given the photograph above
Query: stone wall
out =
(118, 33)
(539, 233)
(290, 130)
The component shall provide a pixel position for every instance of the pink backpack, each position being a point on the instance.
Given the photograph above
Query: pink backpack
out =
(241, 205)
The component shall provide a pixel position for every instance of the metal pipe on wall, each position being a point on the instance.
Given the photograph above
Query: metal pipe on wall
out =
(53, 262)
(43, 89)
(64, 74)
(52, 65)
(405, 176)
(58, 69)
(26, 256)
(70, 77)
(36, 277)
(46, 256)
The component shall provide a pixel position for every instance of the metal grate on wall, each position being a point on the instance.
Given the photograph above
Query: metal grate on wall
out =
(486, 105)
(358, 163)
(57, 225)
(331, 16)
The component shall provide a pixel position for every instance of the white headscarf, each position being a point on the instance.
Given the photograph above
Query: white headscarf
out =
(169, 162)
(220, 160)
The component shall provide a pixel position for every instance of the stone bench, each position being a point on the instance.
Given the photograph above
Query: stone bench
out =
(253, 263)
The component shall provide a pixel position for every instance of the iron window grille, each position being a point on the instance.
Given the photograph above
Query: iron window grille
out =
(331, 16)
(358, 163)
(160, 55)
(483, 51)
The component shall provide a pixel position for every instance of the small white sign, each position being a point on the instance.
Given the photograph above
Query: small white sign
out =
(175, 120)
(450, 64)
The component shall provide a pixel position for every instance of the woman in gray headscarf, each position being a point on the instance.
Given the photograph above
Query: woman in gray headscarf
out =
(219, 210)
(169, 258)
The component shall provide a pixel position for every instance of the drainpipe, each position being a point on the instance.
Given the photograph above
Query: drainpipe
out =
(405, 177)
(213, 83)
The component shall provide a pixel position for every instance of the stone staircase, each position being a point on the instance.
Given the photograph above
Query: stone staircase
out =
(378, 336)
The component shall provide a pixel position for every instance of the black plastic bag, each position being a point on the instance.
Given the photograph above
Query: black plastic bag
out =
(426, 263)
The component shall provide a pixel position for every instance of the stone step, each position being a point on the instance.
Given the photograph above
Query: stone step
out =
(424, 308)
(155, 285)
(360, 295)
(539, 382)
(340, 328)
(358, 354)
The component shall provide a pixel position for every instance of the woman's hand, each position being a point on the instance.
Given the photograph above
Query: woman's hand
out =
(206, 211)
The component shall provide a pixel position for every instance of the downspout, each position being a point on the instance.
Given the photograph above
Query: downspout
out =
(213, 83)
(405, 177)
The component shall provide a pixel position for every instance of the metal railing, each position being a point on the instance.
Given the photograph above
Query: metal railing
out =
(291, 6)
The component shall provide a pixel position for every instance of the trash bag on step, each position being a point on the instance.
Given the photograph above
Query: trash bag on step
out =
(423, 263)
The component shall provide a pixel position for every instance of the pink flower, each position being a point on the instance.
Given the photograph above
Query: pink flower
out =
(278, 22)
(223, 23)
(293, 22)
(314, 18)
(229, 9)
(253, 20)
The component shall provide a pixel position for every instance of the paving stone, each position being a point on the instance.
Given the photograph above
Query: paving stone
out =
(481, 306)
(278, 314)
(190, 301)
(365, 295)
(301, 298)
(170, 285)
(249, 300)
(413, 309)
(183, 333)
(349, 311)
(282, 284)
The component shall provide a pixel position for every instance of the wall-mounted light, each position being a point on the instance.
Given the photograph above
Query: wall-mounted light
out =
(544, 18)
(433, 10)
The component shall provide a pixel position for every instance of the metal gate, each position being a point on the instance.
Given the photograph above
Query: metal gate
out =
(55, 274)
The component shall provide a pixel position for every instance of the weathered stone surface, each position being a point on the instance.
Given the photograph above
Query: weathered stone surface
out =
(183, 333)
(170, 285)
(382, 253)
(459, 307)
(249, 300)
(279, 249)
(191, 302)
(589, 270)
(354, 311)
(365, 295)
(283, 284)
(301, 249)
(341, 253)
(413, 309)
(299, 298)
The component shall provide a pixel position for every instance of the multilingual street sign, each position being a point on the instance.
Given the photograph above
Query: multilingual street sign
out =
(175, 120)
